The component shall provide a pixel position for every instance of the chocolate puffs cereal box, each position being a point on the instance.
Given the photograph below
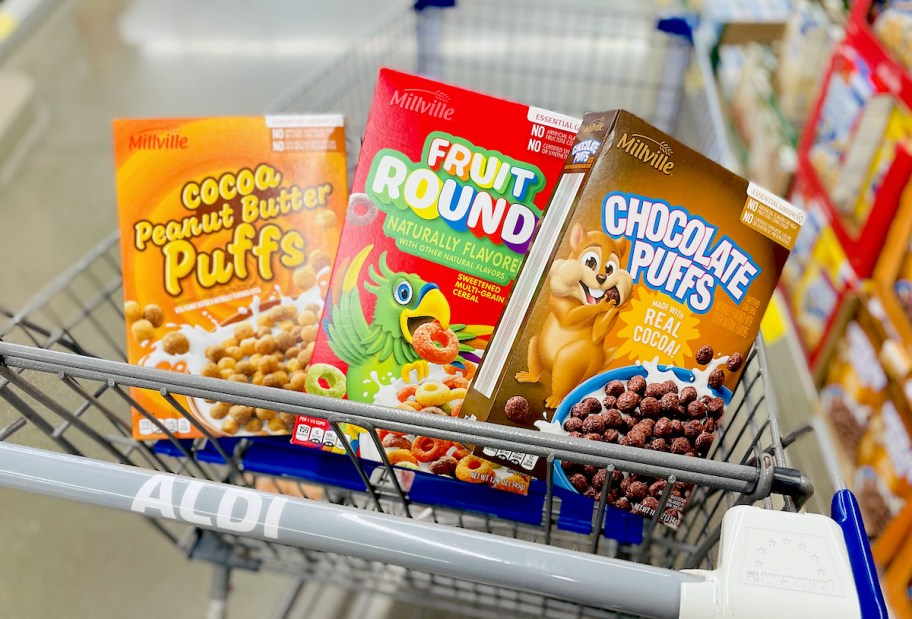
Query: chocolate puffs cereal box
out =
(228, 229)
(448, 193)
(636, 308)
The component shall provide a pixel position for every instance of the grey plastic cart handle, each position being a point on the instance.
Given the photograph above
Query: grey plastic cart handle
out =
(587, 579)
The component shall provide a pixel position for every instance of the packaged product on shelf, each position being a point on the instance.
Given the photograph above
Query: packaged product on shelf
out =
(637, 307)
(768, 140)
(867, 400)
(848, 89)
(806, 44)
(888, 166)
(893, 274)
(883, 457)
(850, 146)
(884, 474)
(228, 230)
(745, 21)
(863, 31)
(893, 26)
(870, 138)
(818, 281)
(448, 193)
(855, 389)
(892, 552)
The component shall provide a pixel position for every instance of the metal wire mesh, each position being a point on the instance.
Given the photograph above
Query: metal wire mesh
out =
(86, 413)
(569, 57)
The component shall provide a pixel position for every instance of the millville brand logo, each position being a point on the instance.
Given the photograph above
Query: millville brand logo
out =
(158, 139)
(593, 125)
(651, 152)
(433, 103)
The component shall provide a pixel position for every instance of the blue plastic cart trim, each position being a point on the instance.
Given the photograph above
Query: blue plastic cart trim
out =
(275, 456)
(208, 453)
(446, 492)
(313, 465)
(846, 513)
(441, 4)
(679, 25)
(576, 516)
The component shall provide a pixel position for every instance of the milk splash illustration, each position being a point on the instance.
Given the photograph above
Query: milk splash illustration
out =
(201, 338)
(386, 395)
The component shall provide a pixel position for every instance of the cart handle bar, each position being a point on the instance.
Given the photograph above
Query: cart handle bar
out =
(751, 480)
(448, 551)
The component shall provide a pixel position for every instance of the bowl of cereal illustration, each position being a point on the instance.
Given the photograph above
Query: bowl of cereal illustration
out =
(270, 345)
(268, 342)
(657, 407)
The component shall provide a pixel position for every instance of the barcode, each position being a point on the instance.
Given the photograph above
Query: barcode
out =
(549, 230)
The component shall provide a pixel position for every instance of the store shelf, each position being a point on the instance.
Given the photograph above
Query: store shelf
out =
(818, 453)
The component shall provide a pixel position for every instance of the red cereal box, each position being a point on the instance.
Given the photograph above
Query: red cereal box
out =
(448, 193)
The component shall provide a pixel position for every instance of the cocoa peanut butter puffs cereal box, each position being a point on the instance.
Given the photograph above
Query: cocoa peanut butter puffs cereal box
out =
(448, 193)
(636, 308)
(228, 230)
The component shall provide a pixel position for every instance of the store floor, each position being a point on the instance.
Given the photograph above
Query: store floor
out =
(91, 61)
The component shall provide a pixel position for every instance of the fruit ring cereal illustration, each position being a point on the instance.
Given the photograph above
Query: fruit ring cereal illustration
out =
(382, 346)
(432, 393)
(435, 344)
(361, 210)
(427, 449)
(325, 373)
(474, 470)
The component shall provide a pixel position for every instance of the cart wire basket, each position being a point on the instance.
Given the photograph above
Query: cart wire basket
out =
(326, 518)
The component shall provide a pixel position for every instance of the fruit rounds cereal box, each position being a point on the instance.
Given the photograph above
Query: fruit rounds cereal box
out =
(449, 190)
(636, 308)
(228, 229)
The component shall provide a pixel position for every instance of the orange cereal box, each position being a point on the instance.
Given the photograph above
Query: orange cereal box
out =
(228, 230)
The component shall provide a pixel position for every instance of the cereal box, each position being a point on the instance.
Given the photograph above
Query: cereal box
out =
(856, 387)
(820, 284)
(635, 311)
(448, 193)
(852, 145)
(883, 454)
(893, 274)
(883, 458)
(228, 228)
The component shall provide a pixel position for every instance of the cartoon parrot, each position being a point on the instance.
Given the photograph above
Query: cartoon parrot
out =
(380, 352)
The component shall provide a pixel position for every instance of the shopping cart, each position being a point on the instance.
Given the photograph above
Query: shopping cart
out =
(321, 517)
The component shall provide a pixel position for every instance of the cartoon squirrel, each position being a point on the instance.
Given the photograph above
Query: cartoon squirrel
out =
(587, 291)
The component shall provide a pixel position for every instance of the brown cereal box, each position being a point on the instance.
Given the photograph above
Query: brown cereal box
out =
(637, 305)
(228, 227)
